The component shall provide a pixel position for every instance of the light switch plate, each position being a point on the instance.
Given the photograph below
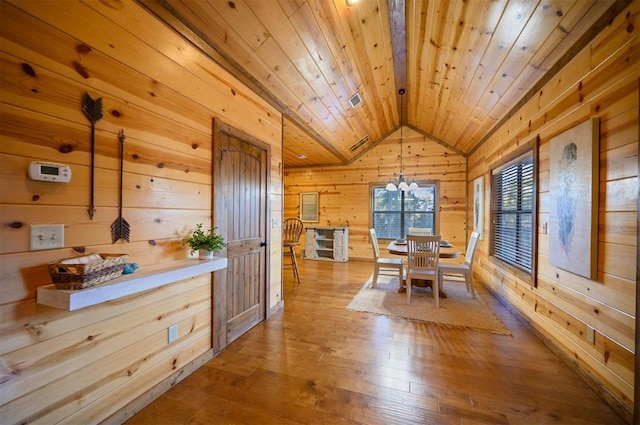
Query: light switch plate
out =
(46, 236)
(591, 334)
(173, 332)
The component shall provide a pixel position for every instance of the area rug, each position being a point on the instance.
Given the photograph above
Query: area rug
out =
(458, 310)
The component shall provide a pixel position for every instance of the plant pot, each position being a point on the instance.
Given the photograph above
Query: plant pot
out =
(203, 254)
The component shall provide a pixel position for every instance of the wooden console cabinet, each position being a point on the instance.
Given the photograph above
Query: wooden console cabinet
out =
(327, 243)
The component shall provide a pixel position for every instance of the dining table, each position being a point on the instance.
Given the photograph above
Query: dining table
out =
(400, 248)
(447, 250)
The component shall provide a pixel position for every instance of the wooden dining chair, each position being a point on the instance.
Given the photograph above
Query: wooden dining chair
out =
(423, 254)
(380, 263)
(291, 231)
(421, 231)
(465, 269)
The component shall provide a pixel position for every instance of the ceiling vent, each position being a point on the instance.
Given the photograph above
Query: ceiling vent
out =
(355, 100)
(359, 143)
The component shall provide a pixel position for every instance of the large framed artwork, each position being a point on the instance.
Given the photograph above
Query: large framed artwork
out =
(478, 206)
(573, 199)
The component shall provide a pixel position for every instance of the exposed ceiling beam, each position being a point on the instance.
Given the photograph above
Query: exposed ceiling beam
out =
(398, 25)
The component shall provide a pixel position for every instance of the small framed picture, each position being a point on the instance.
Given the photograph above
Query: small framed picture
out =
(309, 206)
(478, 206)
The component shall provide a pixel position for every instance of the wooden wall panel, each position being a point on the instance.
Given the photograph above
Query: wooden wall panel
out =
(344, 198)
(82, 366)
(200, 81)
(95, 343)
(601, 82)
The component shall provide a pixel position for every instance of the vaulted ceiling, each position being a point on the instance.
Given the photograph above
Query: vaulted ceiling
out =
(465, 64)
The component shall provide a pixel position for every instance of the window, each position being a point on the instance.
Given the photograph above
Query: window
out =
(309, 206)
(513, 212)
(394, 212)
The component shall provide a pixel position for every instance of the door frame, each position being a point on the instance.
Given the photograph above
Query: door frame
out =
(636, 376)
(219, 128)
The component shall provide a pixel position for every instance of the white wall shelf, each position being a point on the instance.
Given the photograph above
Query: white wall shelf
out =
(128, 284)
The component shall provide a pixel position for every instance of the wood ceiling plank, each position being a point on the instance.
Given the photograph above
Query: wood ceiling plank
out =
(441, 35)
(316, 44)
(298, 94)
(512, 23)
(358, 47)
(288, 38)
(552, 46)
(566, 61)
(512, 20)
(460, 27)
(465, 64)
(313, 37)
(579, 17)
(250, 64)
(302, 143)
(194, 28)
(448, 84)
(539, 28)
(328, 18)
(420, 14)
(291, 6)
(298, 91)
(237, 16)
(376, 33)
(483, 25)
(579, 24)
(289, 89)
(324, 100)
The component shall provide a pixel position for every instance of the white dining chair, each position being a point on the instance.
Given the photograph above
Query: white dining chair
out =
(421, 231)
(465, 269)
(423, 253)
(381, 263)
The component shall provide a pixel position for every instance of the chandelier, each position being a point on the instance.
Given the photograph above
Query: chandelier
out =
(401, 183)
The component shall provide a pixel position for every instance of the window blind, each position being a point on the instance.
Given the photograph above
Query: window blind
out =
(512, 202)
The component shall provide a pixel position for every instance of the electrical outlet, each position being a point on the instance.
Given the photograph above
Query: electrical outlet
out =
(173, 332)
(591, 334)
(46, 236)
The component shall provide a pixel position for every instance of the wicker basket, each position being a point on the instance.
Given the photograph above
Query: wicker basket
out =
(88, 270)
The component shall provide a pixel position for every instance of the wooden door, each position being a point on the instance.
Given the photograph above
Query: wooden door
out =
(241, 213)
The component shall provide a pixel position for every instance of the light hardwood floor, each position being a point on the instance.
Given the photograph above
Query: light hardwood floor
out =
(317, 363)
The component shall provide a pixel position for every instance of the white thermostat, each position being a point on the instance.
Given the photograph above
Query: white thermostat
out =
(49, 172)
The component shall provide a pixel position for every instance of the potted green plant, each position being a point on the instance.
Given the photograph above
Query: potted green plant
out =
(207, 243)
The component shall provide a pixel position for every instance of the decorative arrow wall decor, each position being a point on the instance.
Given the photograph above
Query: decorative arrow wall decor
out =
(120, 228)
(92, 109)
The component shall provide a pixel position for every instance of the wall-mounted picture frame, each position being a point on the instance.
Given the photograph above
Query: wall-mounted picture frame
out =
(478, 206)
(309, 206)
(573, 199)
